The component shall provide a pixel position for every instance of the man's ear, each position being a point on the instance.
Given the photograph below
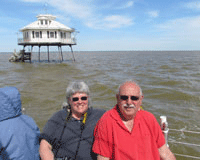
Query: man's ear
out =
(117, 96)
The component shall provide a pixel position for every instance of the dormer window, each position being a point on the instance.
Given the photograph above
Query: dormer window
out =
(41, 22)
(46, 22)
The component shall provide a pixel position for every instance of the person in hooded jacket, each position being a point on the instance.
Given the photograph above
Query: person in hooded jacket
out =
(19, 134)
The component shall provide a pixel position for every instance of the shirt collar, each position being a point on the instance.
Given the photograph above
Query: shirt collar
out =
(116, 115)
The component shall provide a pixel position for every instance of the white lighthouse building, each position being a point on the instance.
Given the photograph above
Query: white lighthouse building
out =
(47, 32)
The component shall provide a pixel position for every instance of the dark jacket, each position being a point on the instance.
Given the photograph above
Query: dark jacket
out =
(72, 143)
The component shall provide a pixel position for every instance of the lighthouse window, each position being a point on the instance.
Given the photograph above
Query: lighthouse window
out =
(61, 34)
(37, 34)
(26, 34)
(51, 34)
(40, 34)
(47, 34)
(55, 34)
(33, 34)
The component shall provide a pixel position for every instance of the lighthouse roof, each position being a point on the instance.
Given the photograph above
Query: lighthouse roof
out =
(47, 21)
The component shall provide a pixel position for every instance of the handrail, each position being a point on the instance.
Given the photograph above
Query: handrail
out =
(190, 144)
(188, 156)
(165, 129)
(181, 130)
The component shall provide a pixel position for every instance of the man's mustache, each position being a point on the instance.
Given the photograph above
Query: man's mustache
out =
(129, 106)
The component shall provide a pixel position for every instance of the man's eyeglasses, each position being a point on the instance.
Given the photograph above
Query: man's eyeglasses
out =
(74, 99)
(133, 98)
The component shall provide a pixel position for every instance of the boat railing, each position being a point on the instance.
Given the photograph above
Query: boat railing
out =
(165, 129)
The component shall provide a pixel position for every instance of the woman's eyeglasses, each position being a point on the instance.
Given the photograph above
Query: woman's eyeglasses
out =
(133, 98)
(74, 99)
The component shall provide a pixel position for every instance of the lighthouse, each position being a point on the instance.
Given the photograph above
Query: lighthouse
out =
(46, 31)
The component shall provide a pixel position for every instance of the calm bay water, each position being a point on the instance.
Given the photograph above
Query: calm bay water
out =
(170, 82)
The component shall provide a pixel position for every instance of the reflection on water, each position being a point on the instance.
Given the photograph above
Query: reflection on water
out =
(170, 83)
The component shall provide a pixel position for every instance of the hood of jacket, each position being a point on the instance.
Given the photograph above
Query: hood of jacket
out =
(10, 103)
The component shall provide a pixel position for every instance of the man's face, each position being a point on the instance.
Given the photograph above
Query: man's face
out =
(129, 100)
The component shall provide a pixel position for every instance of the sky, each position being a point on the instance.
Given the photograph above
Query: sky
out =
(109, 25)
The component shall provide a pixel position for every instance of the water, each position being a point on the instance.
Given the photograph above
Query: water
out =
(170, 82)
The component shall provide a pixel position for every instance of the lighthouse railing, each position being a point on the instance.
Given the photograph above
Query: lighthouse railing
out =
(50, 40)
(20, 40)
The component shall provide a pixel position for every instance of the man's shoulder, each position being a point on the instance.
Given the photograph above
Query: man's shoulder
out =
(145, 113)
(147, 116)
(107, 115)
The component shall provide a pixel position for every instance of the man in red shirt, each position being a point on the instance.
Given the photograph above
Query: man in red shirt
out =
(128, 133)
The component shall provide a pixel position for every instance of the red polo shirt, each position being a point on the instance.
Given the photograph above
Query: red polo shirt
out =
(115, 141)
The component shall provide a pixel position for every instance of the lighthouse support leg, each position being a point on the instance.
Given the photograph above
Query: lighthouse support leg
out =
(48, 52)
(23, 53)
(72, 53)
(61, 52)
(39, 55)
(31, 53)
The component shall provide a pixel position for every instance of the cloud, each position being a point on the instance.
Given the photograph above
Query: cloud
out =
(73, 8)
(192, 5)
(11, 24)
(115, 5)
(110, 22)
(89, 14)
(4, 30)
(153, 14)
(126, 5)
(180, 33)
(182, 29)
(32, 0)
(187, 22)
(117, 21)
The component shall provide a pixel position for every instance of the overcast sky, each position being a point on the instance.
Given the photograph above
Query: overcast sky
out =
(110, 25)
